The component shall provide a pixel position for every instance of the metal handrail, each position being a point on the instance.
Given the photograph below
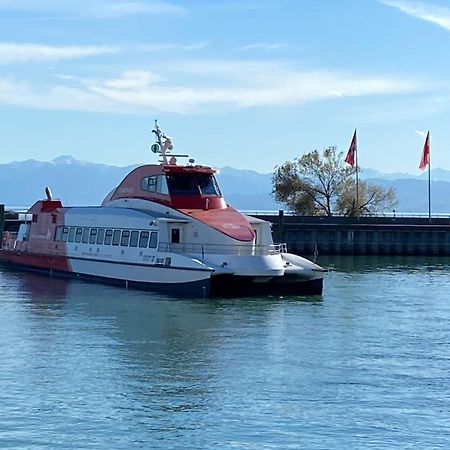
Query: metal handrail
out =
(9, 239)
(218, 249)
(387, 214)
(12, 235)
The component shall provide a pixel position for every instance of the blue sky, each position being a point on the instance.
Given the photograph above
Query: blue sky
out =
(246, 83)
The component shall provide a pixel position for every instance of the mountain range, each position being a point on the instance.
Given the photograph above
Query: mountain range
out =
(84, 183)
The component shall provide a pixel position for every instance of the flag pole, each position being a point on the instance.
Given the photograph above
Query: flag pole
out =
(357, 182)
(352, 159)
(429, 186)
(425, 161)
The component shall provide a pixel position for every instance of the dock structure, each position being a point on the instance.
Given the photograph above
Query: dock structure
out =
(2, 219)
(308, 235)
(10, 220)
(336, 235)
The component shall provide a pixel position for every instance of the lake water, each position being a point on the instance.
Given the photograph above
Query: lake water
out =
(366, 365)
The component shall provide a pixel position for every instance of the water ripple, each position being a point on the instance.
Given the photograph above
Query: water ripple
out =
(366, 365)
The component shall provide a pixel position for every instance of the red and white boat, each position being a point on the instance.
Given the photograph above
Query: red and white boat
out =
(167, 228)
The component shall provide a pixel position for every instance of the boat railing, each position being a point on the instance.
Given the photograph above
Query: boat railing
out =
(224, 249)
(9, 239)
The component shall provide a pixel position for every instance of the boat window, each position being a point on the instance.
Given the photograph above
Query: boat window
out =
(208, 184)
(134, 238)
(152, 184)
(93, 236)
(153, 239)
(58, 234)
(192, 184)
(143, 239)
(161, 185)
(100, 236)
(175, 236)
(65, 233)
(71, 234)
(125, 238)
(85, 235)
(116, 237)
(144, 183)
(78, 234)
(182, 184)
(149, 184)
(108, 237)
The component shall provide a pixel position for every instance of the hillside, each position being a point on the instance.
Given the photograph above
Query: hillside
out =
(84, 183)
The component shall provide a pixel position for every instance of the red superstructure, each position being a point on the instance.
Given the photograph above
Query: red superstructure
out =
(191, 189)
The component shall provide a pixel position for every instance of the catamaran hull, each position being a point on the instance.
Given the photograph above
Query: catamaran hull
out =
(184, 282)
(244, 286)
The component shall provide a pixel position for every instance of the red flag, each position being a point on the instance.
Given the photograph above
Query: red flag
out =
(425, 160)
(351, 155)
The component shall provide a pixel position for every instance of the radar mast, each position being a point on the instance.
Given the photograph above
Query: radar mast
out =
(163, 146)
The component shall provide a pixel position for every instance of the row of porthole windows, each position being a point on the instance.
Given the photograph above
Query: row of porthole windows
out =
(103, 236)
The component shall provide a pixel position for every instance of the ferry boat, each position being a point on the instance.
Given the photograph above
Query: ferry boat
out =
(165, 227)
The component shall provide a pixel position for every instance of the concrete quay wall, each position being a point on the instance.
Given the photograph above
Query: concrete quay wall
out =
(10, 220)
(307, 235)
(2, 219)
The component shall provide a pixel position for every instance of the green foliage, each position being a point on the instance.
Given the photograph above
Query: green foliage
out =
(371, 198)
(321, 184)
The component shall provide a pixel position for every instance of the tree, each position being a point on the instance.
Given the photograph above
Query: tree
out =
(372, 199)
(321, 184)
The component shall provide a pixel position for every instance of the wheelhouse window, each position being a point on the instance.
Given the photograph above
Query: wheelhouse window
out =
(208, 184)
(149, 184)
(193, 184)
(161, 185)
(155, 183)
(182, 184)
(71, 234)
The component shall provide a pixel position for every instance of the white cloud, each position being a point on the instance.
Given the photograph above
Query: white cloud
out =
(214, 84)
(31, 52)
(92, 8)
(246, 88)
(437, 15)
(12, 52)
(124, 8)
(237, 6)
(265, 46)
(23, 94)
(170, 46)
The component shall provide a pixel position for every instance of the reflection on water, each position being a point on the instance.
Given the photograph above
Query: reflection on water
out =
(389, 263)
(86, 365)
